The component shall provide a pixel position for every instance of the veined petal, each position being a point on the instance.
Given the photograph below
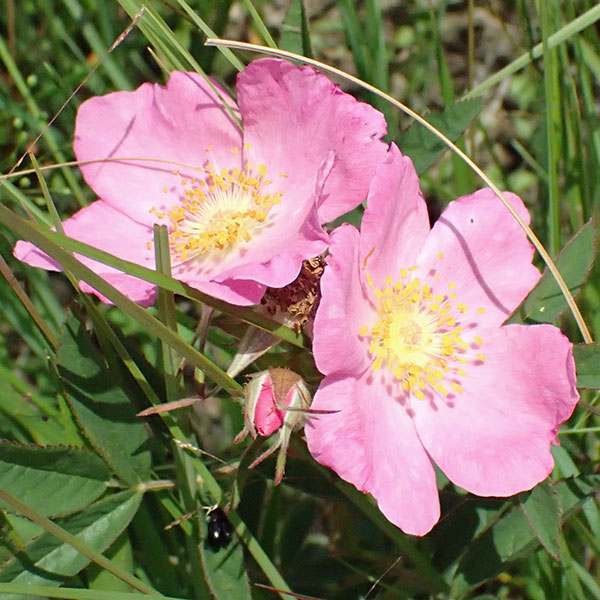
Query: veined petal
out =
(296, 120)
(184, 122)
(477, 247)
(103, 227)
(337, 346)
(494, 438)
(371, 442)
(396, 211)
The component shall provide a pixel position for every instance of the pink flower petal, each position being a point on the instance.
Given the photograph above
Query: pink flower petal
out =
(478, 246)
(494, 439)
(371, 442)
(300, 123)
(103, 227)
(395, 211)
(267, 417)
(343, 308)
(240, 291)
(277, 253)
(175, 123)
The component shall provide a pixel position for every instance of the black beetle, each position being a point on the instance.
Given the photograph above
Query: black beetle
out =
(219, 530)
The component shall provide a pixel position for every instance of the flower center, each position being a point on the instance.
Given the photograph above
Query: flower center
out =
(418, 335)
(218, 211)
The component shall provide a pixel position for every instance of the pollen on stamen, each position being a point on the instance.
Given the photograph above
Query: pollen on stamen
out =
(480, 310)
(440, 255)
(219, 210)
(417, 337)
(456, 387)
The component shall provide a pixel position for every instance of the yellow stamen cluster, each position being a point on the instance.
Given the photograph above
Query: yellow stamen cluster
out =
(218, 210)
(418, 335)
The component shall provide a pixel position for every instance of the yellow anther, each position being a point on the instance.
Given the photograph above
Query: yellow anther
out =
(478, 340)
(480, 310)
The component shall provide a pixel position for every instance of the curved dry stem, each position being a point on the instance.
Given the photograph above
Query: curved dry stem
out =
(411, 113)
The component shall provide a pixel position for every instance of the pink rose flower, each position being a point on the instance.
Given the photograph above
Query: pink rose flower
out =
(416, 360)
(244, 208)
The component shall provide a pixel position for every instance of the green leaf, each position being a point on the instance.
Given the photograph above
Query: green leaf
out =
(103, 411)
(423, 147)
(542, 511)
(512, 536)
(49, 561)
(295, 35)
(587, 365)
(120, 553)
(75, 593)
(53, 480)
(224, 569)
(545, 302)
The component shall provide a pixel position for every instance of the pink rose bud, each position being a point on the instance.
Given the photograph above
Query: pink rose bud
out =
(276, 400)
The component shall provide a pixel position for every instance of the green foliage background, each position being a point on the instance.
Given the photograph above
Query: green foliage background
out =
(98, 503)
